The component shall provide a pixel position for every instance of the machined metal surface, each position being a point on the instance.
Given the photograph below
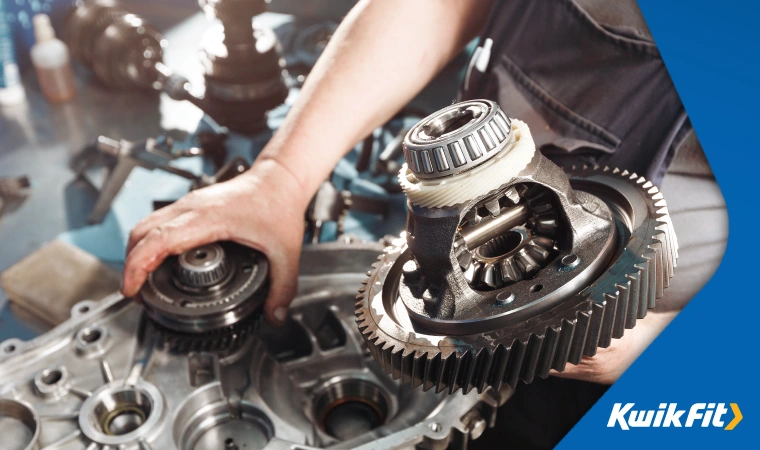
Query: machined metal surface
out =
(456, 139)
(207, 288)
(519, 279)
(103, 380)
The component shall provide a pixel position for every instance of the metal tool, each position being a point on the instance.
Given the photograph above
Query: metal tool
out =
(118, 158)
(509, 266)
(104, 379)
(331, 205)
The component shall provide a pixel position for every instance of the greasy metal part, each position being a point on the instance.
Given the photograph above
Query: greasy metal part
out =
(308, 384)
(207, 288)
(242, 72)
(241, 63)
(521, 278)
(204, 266)
(121, 48)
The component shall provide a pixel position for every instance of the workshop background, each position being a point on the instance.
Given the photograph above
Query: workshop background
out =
(51, 144)
(62, 222)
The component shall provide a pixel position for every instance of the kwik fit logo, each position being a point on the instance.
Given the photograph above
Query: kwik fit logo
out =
(668, 415)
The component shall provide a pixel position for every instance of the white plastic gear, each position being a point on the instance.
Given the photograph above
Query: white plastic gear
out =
(517, 153)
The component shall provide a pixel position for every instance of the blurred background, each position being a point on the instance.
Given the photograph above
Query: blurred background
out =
(161, 103)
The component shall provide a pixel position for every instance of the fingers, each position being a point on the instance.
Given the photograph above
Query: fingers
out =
(609, 363)
(152, 221)
(283, 277)
(184, 232)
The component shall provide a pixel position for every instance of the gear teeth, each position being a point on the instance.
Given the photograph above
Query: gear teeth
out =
(514, 366)
(632, 286)
(228, 338)
(579, 338)
(564, 342)
(531, 359)
(550, 347)
(509, 271)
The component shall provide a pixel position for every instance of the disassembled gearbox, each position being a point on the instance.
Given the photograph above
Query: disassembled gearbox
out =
(193, 376)
(509, 266)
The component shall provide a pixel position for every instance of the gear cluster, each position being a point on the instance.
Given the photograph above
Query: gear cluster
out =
(207, 298)
(519, 279)
(515, 254)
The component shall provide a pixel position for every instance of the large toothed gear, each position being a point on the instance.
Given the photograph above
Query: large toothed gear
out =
(600, 250)
(207, 298)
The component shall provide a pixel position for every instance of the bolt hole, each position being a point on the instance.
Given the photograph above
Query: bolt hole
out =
(90, 336)
(51, 377)
(536, 288)
(505, 297)
(84, 309)
(10, 348)
(569, 259)
(201, 254)
(229, 443)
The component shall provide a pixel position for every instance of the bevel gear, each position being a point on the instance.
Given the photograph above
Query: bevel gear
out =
(207, 298)
(607, 252)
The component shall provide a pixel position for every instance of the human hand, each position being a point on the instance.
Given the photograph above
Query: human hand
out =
(609, 363)
(262, 209)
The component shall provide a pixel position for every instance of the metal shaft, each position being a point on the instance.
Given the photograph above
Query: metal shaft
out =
(490, 227)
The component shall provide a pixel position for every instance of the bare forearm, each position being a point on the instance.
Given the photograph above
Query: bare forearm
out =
(380, 57)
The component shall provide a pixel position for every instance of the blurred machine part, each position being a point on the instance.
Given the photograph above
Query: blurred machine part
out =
(122, 49)
(242, 69)
(106, 379)
(241, 62)
(13, 190)
(509, 267)
(113, 161)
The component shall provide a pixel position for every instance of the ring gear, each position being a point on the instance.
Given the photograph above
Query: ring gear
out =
(615, 252)
(207, 298)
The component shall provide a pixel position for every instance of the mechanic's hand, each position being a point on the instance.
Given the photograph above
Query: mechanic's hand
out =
(262, 208)
(609, 363)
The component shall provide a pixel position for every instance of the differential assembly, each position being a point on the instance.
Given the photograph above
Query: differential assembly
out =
(509, 266)
(207, 297)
